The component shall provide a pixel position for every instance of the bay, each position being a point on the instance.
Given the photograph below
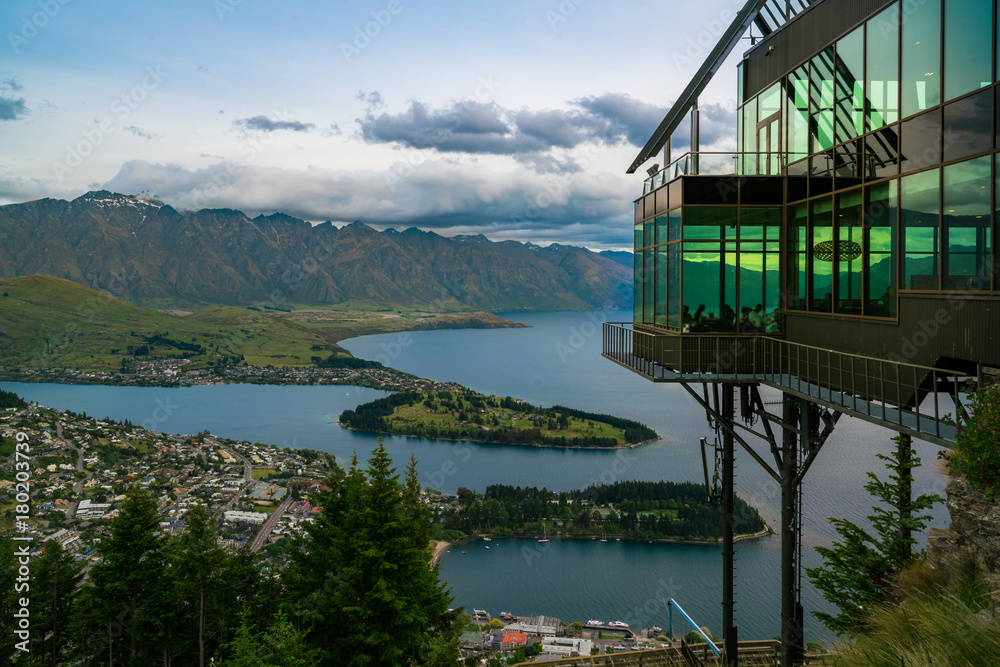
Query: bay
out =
(556, 361)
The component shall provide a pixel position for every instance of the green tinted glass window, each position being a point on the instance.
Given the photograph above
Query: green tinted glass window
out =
(797, 256)
(883, 68)
(847, 253)
(821, 101)
(966, 225)
(710, 222)
(850, 88)
(709, 287)
(660, 315)
(821, 256)
(968, 27)
(919, 210)
(881, 250)
(674, 267)
(797, 103)
(921, 81)
(637, 287)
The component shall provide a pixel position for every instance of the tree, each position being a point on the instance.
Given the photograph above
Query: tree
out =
(361, 582)
(9, 594)
(115, 614)
(976, 455)
(199, 566)
(55, 577)
(280, 646)
(858, 569)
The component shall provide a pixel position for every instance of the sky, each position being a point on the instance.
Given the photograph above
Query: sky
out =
(514, 119)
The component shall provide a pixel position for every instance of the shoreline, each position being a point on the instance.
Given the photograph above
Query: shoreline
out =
(501, 444)
(768, 531)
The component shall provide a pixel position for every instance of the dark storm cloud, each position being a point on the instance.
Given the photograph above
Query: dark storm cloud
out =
(265, 124)
(12, 109)
(473, 127)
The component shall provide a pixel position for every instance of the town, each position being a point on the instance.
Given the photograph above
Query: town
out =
(183, 373)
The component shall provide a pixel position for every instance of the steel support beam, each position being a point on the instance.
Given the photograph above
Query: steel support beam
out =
(731, 650)
(791, 609)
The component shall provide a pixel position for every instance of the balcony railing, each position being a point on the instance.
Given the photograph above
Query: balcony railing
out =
(882, 391)
(763, 653)
(709, 163)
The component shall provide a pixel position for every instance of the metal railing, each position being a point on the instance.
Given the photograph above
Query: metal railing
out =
(887, 392)
(711, 163)
(752, 654)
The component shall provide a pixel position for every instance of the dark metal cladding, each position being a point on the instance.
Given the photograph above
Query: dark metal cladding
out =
(803, 37)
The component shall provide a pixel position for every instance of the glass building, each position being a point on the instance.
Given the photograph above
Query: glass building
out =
(844, 255)
(860, 201)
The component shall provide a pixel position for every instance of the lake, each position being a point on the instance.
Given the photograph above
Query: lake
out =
(556, 361)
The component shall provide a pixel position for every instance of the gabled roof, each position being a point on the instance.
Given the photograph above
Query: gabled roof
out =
(768, 16)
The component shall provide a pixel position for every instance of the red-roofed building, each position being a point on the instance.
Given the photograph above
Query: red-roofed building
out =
(512, 640)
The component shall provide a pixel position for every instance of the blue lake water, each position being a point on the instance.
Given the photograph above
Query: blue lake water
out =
(556, 361)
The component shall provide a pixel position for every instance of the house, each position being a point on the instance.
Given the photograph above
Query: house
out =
(511, 640)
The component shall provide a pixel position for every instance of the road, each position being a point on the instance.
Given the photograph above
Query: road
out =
(78, 486)
(247, 476)
(269, 525)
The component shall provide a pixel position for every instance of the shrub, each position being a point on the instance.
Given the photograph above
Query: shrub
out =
(976, 455)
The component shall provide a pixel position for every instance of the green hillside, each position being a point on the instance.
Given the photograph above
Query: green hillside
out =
(48, 322)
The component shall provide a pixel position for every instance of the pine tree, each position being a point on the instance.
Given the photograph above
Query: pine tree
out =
(115, 615)
(199, 569)
(858, 569)
(9, 595)
(380, 602)
(54, 580)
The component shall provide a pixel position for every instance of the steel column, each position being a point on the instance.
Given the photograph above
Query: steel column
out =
(791, 614)
(728, 530)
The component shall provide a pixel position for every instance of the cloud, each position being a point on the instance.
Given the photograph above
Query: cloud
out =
(591, 209)
(265, 124)
(472, 127)
(12, 109)
(139, 132)
(372, 100)
(13, 84)
(475, 127)
(624, 116)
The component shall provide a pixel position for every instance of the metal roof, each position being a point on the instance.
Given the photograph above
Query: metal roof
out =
(768, 16)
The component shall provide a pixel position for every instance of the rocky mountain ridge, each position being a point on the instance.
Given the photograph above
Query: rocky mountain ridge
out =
(150, 253)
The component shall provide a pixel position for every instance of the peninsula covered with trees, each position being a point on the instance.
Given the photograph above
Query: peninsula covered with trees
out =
(468, 415)
(677, 511)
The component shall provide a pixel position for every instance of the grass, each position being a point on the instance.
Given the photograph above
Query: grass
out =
(48, 322)
(258, 474)
(419, 413)
(930, 626)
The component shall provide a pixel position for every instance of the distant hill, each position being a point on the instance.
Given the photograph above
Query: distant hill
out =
(48, 322)
(152, 254)
(623, 257)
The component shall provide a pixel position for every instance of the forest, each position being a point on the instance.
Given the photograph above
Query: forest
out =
(468, 415)
(629, 510)
(355, 588)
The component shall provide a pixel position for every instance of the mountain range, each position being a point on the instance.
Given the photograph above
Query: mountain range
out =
(150, 253)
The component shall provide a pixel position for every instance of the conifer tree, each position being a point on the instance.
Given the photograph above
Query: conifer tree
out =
(199, 569)
(384, 605)
(858, 569)
(115, 612)
(54, 580)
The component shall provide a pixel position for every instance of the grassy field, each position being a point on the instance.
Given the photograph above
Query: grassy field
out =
(489, 415)
(260, 473)
(48, 322)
